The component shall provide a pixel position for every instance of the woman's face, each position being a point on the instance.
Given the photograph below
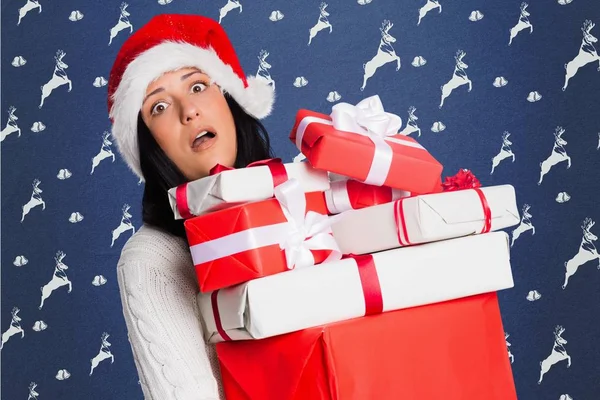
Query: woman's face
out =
(191, 121)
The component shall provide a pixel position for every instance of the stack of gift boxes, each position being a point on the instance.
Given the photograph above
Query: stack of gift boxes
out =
(357, 274)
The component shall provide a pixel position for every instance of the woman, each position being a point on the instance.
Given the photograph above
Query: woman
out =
(180, 103)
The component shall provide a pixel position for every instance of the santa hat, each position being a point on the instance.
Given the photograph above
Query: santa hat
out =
(166, 43)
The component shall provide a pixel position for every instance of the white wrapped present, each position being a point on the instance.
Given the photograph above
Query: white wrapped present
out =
(426, 218)
(234, 186)
(354, 287)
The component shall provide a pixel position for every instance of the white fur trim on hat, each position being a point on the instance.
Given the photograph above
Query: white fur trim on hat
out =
(257, 99)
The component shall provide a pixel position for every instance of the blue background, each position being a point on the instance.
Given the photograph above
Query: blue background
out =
(474, 124)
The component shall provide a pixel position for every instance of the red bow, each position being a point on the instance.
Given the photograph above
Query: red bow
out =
(464, 179)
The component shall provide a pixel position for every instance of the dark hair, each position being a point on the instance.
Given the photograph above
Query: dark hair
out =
(161, 174)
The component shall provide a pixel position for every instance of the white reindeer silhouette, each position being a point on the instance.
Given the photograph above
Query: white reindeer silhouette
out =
(505, 152)
(429, 6)
(558, 353)
(122, 23)
(35, 200)
(587, 251)
(124, 226)
(598, 147)
(322, 23)
(59, 278)
(14, 328)
(558, 155)
(587, 53)
(522, 24)
(385, 54)
(105, 151)
(510, 355)
(103, 354)
(524, 226)
(264, 67)
(11, 124)
(59, 77)
(459, 77)
(30, 5)
(231, 5)
(411, 124)
(33, 395)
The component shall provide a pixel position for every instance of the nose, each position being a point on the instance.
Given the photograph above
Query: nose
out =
(189, 112)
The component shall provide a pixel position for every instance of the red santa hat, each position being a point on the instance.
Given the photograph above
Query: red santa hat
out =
(166, 43)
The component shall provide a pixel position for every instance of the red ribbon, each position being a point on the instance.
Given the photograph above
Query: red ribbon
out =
(215, 308)
(487, 212)
(369, 282)
(401, 222)
(276, 167)
(182, 201)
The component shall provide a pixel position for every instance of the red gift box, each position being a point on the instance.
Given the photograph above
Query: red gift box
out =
(350, 194)
(453, 350)
(360, 144)
(257, 239)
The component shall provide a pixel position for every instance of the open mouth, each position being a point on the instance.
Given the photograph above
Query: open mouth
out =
(203, 140)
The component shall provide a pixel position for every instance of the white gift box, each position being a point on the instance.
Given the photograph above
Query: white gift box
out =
(331, 292)
(424, 218)
(243, 185)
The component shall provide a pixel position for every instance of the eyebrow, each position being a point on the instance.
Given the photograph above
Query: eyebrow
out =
(160, 89)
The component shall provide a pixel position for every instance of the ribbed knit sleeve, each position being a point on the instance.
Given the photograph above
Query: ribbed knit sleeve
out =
(158, 292)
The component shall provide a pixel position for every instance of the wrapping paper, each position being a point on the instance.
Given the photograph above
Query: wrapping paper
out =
(231, 187)
(361, 142)
(253, 240)
(453, 350)
(425, 218)
(353, 195)
(337, 291)
(349, 194)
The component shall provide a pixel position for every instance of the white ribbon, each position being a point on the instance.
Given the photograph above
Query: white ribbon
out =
(338, 198)
(368, 118)
(297, 237)
(306, 232)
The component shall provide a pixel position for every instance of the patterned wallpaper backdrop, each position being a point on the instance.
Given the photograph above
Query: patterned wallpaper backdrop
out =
(505, 88)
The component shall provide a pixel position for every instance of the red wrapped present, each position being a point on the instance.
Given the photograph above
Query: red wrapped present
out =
(453, 350)
(350, 194)
(262, 238)
(362, 142)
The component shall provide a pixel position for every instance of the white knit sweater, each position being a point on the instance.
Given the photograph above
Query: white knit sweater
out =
(158, 292)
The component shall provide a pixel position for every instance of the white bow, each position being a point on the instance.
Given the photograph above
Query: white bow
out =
(306, 233)
(367, 118)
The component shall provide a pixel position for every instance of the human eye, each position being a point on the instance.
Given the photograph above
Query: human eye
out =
(198, 87)
(158, 108)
